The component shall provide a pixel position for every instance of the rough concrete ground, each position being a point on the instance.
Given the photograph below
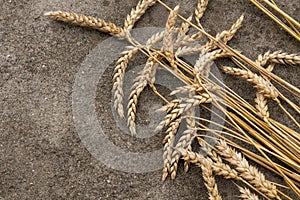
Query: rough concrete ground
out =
(41, 154)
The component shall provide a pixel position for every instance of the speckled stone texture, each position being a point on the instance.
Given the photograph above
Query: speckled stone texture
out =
(41, 154)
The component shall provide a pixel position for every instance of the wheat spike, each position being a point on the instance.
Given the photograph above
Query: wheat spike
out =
(87, 21)
(182, 107)
(207, 172)
(246, 194)
(247, 171)
(278, 57)
(169, 30)
(118, 77)
(261, 101)
(136, 13)
(154, 39)
(141, 82)
(168, 146)
(203, 65)
(188, 50)
(225, 35)
(184, 28)
(264, 87)
(186, 40)
(200, 9)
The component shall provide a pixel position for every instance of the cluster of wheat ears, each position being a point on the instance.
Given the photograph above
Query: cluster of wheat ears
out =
(277, 147)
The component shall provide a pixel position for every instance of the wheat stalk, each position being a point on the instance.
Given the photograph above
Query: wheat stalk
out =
(247, 171)
(87, 21)
(247, 194)
(137, 13)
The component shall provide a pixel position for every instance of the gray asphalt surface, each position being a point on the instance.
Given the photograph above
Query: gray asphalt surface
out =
(41, 154)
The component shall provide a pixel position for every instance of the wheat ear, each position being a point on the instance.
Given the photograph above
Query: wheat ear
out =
(86, 21)
(141, 82)
(185, 141)
(261, 100)
(206, 165)
(200, 9)
(246, 194)
(248, 172)
(168, 146)
(182, 107)
(278, 57)
(136, 13)
(225, 35)
(185, 26)
(118, 77)
(169, 30)
(264, 87)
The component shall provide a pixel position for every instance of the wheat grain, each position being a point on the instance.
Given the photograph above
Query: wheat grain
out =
(247, 194)
(248, 172)
(119, 73)
(87, 21)
(278, 57)
(136, 13)
(200, 9)
(264, 87)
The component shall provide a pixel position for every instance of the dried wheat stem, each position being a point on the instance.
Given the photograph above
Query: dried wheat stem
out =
(118, 77)
(169, 30)
(247, 194)
(140, 83)
(137, 13)
(87, 21)
(278, 57)
(182, 107)
(264, 87)
(200, 9)
(248, 172)
(168, 146)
